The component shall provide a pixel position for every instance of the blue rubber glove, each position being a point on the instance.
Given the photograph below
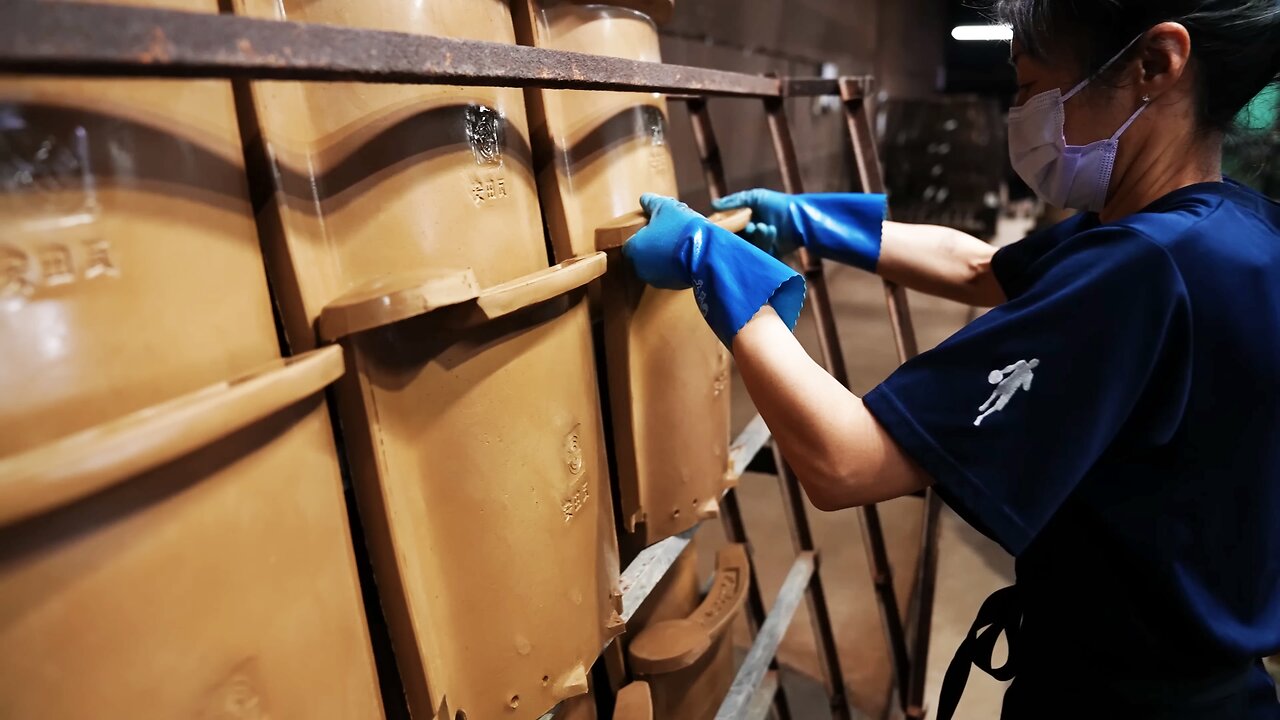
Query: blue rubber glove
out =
(731, 279)
(844, 227)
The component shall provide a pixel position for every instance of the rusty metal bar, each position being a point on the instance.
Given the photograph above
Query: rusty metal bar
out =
(708, 149)
(713, 169)
(926, 582)
(735, 529)
(819, 610)
(854, 92)
(83, 39)
(802, 535)
(809, 87)
(747, 445)
(815, 279)
(755, 665)
(833, 360)
(757, 614)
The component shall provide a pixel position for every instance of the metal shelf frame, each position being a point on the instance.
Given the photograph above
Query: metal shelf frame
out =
(104, 40)
(82, 39)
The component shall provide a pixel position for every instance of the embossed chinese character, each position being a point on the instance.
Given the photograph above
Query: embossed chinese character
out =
(502, 187)
(657, 161)
(478, 191)
(98, 260)
(15, 273)
(490, 189)
(56, 264)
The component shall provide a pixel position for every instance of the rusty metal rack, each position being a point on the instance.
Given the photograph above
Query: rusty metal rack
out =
(104, 40)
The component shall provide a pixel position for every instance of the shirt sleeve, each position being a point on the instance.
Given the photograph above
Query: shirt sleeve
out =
(1011, 264)
(1009, 414)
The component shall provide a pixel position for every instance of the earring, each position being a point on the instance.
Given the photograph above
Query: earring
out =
(1146, 99)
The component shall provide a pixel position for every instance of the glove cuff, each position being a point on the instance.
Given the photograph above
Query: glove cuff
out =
(732, 279)
(844, 227)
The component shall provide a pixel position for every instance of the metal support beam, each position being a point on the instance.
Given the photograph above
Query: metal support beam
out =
(922, 623)
(833, 361)
(819, 609)
(756, 664)
(83, 39)
(643, 574)
(736, 532)
(801, 533)
(763, 699)
(647, 570)
(652, 564)
(854, 92)
(809, 87)
(747, 445)
(708, 149)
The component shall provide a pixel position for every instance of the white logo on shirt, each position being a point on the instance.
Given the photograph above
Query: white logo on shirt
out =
(1008, 381)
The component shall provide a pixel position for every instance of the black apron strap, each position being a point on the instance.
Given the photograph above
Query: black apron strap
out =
(1000, 613)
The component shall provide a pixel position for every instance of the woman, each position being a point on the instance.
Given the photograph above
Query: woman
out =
(1114, 421)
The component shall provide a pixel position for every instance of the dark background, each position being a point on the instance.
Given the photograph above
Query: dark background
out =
(906, 44)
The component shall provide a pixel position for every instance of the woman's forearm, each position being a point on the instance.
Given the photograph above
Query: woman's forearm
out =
(841, 455)
(939, 261)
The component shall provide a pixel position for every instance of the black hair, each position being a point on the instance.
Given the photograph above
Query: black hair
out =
(1235, 44)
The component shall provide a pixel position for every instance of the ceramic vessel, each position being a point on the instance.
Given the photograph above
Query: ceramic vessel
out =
(668, 376)
(407, 228)
(682, 646)
(173, 535)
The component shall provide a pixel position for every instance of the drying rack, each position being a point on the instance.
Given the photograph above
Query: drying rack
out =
(104, 40)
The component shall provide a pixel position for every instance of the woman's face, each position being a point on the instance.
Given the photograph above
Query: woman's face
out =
(1094, 114)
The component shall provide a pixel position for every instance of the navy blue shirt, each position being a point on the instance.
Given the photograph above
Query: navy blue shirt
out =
(1116, 426)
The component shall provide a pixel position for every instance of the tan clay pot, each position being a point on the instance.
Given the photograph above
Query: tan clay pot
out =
(409, 230)
(667, 373)
(189, 560)
(173, 540)
(684, 649)
(130, 269)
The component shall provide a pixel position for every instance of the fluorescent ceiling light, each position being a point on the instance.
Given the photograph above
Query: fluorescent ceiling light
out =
(982, 32)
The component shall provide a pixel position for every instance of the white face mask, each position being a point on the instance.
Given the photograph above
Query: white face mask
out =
(1074, 177)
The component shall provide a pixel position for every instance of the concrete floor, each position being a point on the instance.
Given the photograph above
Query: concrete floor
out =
(970, 567)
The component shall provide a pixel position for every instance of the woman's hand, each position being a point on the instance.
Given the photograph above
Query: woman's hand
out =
(840, 453)
(771, 228)
(845, 227)
(731, 279)
(658, 251)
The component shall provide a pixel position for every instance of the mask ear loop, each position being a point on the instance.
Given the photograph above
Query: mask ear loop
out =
(1085, 83)
(1146, 102)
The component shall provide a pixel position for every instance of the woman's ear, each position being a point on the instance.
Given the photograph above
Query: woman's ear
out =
(1164, 56)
